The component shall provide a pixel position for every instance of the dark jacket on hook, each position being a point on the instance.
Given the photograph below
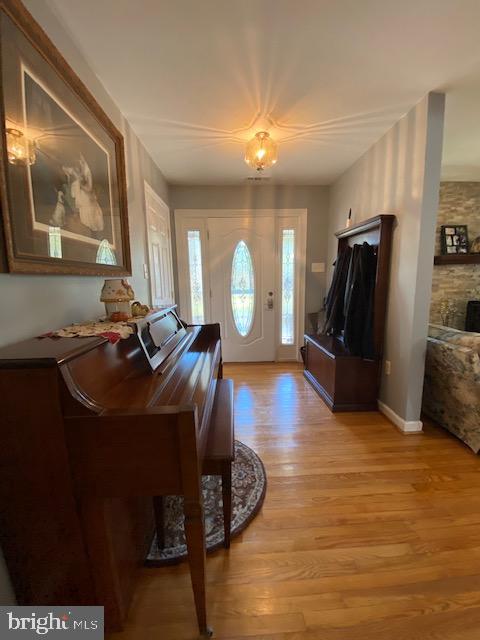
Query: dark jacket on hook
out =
(359, 299)
(334, 304)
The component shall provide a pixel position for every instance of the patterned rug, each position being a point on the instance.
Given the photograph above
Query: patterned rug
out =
(249, 483)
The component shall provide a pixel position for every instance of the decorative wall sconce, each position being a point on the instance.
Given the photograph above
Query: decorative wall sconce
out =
(20, 150)
(261, 151)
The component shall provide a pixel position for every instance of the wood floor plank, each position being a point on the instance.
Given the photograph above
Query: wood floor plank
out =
(365, 533)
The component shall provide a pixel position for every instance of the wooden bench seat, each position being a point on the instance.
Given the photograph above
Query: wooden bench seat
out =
(220, 451)
(219, 455)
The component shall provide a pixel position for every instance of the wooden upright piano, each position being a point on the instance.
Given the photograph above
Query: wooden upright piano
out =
(90, 433)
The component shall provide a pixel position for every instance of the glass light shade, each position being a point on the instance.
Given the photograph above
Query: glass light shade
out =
(261, 151)
(20, 150)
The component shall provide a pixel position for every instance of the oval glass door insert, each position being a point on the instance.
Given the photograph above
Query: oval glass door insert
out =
(242, 289)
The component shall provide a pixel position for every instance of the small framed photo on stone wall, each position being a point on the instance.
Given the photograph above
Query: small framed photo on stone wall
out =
(454, 238)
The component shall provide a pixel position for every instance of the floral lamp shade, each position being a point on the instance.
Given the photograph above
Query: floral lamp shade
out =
(117, 294)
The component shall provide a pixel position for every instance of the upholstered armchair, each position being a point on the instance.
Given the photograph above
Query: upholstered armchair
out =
(451, 394)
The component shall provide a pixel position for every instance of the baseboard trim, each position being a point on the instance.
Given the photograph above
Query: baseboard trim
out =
(405, 426)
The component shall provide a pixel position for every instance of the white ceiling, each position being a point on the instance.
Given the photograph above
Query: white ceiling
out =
(197, 78)
(461, 145)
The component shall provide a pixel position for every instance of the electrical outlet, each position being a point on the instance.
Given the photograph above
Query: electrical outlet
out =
(145, 271)
(388, 367)
(318, 267)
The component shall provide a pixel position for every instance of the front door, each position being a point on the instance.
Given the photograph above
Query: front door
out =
(242, 286)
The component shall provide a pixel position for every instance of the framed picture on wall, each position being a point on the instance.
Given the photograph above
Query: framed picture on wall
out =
(454, 238)
(62, 171)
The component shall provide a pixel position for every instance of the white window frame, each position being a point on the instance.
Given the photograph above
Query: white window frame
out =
(182, 226)
(196, 219)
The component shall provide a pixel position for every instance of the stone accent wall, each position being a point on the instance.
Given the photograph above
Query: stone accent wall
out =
(459, 204)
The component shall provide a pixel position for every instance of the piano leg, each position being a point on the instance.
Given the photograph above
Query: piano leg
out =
(195, 535)
(159, 521)
(227, 501)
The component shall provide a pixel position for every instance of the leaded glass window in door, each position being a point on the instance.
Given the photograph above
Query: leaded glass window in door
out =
(242, 289)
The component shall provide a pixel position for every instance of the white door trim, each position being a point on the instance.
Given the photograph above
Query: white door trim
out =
(197, 219)
(149, 192)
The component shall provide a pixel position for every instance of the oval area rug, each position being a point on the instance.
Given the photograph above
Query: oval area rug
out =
(249, 483)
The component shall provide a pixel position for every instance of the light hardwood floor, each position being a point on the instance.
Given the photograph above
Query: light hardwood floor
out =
(365, 533)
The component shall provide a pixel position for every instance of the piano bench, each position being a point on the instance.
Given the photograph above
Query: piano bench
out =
(219, 455)
(220, 450)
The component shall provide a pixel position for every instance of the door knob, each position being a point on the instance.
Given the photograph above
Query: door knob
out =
(270, 300)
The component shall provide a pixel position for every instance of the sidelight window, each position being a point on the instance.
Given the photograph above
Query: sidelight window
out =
(54, 242)
(288, 286)
(196, 280)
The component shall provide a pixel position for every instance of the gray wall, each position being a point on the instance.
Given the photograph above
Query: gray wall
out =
(400, 174)
(34, 304)
(314, 199)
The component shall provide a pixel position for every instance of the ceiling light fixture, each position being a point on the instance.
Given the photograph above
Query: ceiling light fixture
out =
(261, 151)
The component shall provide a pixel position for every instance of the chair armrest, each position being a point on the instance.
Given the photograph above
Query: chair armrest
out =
(448, 358)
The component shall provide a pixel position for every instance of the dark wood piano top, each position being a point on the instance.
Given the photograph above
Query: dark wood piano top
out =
(54, 349)
(103, 378)
(100, 378)
(47, 349)
(180, 385)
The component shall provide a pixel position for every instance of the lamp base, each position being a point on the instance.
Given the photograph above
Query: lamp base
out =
(112, 307)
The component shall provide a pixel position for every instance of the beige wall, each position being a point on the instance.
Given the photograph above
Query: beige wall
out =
(400, 174)
(314, 199)
(34, 304)
(459, 204)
